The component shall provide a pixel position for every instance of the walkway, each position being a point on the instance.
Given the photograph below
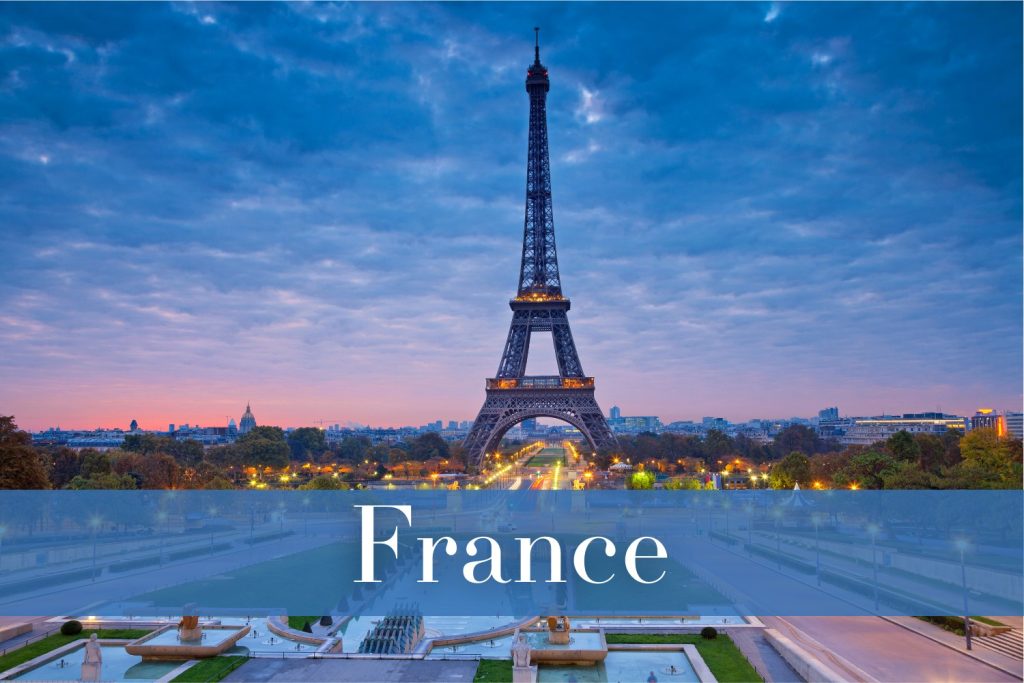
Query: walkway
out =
(886, 651)
(762, 656)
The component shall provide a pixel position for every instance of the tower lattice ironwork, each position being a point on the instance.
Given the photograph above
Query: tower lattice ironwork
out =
(539, 306)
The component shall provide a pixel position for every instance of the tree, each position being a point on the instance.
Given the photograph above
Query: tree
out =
(717, 445)
(20, 465)
(824, 466)
(65, 465)
(262, 452)
(794, 469)
(264, 432)
(684, 484)
(95, 463)
(866, 470)
(353, 448)
(989, 462)
(104, 481)
(188, 452)
(905, 474)
(428, 446)
(324, 483)
(903, 446)
(934, 453)
(642, 480)
(797, 438)
(306, 443)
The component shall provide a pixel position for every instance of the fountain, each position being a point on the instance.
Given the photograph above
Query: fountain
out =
(560, 644)
(187, 640)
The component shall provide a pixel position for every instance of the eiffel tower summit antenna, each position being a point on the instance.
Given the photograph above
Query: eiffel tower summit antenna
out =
(539, 306)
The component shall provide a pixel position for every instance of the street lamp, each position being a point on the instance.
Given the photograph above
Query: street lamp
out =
(816, 519)
(873, 530)
(961, 545)
(94, 525)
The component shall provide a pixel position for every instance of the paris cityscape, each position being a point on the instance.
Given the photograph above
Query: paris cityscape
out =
(315, 206)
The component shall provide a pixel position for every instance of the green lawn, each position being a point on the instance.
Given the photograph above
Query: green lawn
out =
(298, 622)
(330, 566)
(210, 670)
(721, 655)
(41, 647)
(545, 460)
(493, 671)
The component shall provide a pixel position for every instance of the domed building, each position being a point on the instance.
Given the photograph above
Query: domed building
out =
(247, 422)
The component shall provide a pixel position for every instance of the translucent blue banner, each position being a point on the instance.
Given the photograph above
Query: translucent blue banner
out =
(478, 553)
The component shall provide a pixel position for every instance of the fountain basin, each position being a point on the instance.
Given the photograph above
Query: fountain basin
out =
(165, 643)
(585, 648)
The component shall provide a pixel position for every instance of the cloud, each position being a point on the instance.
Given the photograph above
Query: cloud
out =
(591, 106)
(774, 10)
(320, 207)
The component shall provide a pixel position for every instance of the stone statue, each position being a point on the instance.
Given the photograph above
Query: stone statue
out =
(92, 663)
(520, 651)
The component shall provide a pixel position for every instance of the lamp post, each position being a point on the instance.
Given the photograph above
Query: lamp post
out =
(750, 525)
(961, 545)
(816, 518)
(873, 530)
(212, 513)
(94, 525)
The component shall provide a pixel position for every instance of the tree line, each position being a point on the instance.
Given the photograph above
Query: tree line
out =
(153, 461)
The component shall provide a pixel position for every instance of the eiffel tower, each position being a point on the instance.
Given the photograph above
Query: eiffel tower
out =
(539, 306)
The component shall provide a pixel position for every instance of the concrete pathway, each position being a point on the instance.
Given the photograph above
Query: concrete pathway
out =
(762, 656)
(886, 651)
(354, 671)
(998, 660)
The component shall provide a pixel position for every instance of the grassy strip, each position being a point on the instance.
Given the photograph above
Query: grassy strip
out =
(210, 670)
(721, 655)
(50, 581)
(298, 622)
(990, 622)
(493, 671)
(269, 537)
(951, 624)
(41, 647)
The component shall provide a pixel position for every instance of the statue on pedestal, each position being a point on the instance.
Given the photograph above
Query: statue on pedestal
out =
(520, 651)
(92, 663)
(558, 630)
(188, 627)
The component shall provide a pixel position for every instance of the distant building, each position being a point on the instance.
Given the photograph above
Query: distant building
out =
(864, 431)
(232, 427)
(615, 413)
(986, 418)
(134, 426)
(683, 427)
(828, 414)
(635, 424)
(719, 423)
(248, 422)
(529, 425)
(1014, 424)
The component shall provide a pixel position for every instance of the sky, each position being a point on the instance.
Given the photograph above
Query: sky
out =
(761, 209)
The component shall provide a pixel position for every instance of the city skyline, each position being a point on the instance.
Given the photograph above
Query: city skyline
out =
(789, 206)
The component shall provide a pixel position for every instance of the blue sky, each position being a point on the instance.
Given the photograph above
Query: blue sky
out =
(761, 209)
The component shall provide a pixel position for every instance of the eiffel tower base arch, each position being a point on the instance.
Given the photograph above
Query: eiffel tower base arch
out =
(505, 408)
